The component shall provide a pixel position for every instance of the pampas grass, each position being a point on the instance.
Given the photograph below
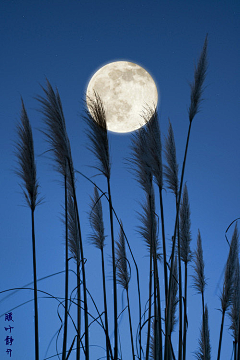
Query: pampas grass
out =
(152, 174)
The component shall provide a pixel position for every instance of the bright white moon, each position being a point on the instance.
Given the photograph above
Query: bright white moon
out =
(125, 89)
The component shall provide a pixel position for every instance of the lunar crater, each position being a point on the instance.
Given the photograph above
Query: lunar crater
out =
(125, 89)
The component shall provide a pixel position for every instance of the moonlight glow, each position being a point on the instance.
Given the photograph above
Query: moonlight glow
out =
(125, 89)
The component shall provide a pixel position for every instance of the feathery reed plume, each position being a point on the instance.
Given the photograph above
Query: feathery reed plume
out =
(97, 134)
(199, 277)
(173, 298)
(25, 156)
(171, 169)
(73, 233)
(141, 160)
(235, 306)
(123, 275)
(153, 133)
(148, 229)
(27, 172)
(199, 282)
(96, 221)
(154, 341)
(60, 146)
(204, 348)
(98, 240)
(74, 248)
(185, 224)
(185, 253)
(199, 77)
(56, 132)
(226, 296)
(197, 84)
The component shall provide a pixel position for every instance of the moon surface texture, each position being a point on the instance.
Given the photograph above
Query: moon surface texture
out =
(125, 89)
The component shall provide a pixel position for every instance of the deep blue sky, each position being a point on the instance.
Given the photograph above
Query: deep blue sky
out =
(67, 41)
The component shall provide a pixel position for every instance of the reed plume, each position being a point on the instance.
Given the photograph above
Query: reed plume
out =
(226, 296)
(197, 84)
(154, 341)
(173, 298)
(74, 249)
(153, 134)
(204, 346)
(185, 253)
(234, 310)
(27, 173)
(199, 280)
(140, 158)
(185, 225)
(97, 134)
(171, 169)
(123, 275)
(73, 233)
(97, 238)
(148, 227)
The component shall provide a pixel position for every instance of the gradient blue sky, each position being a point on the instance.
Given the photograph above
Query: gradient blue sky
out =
(67, 41)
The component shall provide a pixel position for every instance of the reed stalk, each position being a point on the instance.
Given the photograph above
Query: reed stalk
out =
(27, 173)
(196, 98)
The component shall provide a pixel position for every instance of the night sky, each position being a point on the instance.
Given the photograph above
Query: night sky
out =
(66, 42)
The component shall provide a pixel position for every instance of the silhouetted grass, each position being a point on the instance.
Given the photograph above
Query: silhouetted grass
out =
(163, 313)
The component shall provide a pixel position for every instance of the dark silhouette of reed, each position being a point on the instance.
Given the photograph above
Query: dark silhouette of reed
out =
(166, 311)
(28, 174)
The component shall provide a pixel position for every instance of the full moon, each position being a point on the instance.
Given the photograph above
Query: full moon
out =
(125, 89)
